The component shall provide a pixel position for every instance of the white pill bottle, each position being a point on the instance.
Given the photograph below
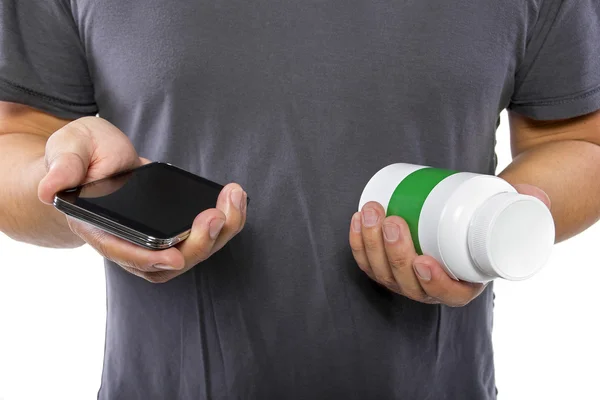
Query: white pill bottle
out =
(476, 226)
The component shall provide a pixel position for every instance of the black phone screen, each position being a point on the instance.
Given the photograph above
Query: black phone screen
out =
(157, 199)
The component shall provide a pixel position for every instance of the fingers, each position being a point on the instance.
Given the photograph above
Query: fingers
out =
(86, 149)
(439, 285)
(373, 215)
(384, 250)
(112, 150)
(357, 246)
(213, 228)
(400, 251)
(534, 191)
(71, 153)
(68, 155)
(205, 230)
(210, 231)
(126, 254)
(232, 202)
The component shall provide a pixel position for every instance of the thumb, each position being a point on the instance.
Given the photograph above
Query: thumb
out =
(534, 191)
(68, 156)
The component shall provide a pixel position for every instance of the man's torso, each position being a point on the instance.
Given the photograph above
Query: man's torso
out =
(300, 103)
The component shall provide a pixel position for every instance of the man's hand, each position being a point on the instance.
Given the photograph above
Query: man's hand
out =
(91, 148)
(384, 250)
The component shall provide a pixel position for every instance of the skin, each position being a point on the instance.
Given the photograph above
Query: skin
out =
(41, 155)
(551, 161)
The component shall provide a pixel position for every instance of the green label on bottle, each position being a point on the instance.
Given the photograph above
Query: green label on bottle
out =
(410, 194)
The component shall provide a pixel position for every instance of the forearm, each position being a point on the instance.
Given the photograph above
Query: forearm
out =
(23, 216)
(569, 172)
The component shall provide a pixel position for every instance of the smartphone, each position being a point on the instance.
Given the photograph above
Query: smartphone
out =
(153, 206)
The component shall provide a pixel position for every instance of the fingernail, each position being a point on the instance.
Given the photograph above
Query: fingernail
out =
(370, 217)
(164, 266)
(237, 196)
(356, 223)
(244, 202)
(423, 271)
(215, 227)
(391, 232)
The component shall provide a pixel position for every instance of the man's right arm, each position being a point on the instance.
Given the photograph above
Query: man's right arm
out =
(24, 132)
(41, 155)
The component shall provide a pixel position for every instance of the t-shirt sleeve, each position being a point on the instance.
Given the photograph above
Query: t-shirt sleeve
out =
(42, 59)
(559, 76)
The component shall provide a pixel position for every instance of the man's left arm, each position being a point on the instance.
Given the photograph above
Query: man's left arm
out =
(556, 161)
(555, 132)
(563, 159)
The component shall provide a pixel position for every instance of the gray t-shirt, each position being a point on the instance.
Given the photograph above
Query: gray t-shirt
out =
(300, 102)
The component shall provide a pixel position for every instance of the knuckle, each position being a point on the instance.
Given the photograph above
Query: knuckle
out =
(356, 247)
(81, 126)
(371, 241)
(398, 260)
(57, 136)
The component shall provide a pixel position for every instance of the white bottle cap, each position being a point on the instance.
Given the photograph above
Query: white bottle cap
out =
(511, 236)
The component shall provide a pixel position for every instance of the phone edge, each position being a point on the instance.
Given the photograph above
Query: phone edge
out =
(116, 229)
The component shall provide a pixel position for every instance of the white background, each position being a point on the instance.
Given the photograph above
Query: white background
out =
(52, 310)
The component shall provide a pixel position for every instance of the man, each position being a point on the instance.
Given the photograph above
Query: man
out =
(300, 103)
